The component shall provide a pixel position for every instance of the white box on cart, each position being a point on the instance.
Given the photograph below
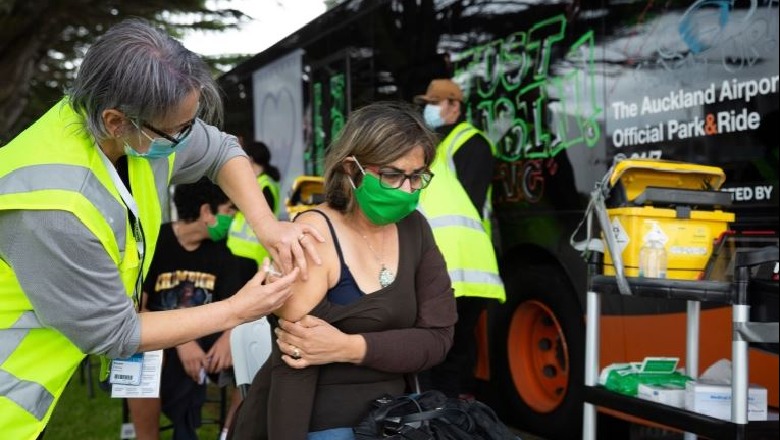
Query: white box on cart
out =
(667, 394)
(714, 400)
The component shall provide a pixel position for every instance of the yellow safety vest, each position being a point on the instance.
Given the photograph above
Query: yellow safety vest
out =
(460, 232)
(55, 165)
(241, 239)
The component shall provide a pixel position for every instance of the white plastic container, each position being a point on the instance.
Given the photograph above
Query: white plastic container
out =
(652, 255)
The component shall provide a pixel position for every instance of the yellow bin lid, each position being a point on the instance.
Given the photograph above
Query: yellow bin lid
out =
(306, 191)
(634, 175)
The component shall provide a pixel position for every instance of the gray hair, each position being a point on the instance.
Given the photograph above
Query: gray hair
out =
(376, 134)
(144, 73)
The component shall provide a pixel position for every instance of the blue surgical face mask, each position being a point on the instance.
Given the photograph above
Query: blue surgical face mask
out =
(158, 148)
(432, 116)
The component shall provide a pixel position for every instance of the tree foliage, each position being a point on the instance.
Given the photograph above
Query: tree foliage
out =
(42, 41)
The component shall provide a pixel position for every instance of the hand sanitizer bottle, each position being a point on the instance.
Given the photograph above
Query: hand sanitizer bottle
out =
(652, 256)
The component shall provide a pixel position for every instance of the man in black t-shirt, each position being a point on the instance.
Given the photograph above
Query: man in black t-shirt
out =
(192, 266)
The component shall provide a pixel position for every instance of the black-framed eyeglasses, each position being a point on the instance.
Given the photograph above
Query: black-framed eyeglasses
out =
(395, 179)
(183, 133)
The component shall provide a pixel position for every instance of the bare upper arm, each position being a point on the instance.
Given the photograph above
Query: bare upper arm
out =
(307, 294)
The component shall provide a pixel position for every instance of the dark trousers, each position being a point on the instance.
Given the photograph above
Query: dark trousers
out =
(455, 375)
(182, 398)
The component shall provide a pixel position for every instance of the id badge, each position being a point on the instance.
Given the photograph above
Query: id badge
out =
(132, 378)
(127, 371)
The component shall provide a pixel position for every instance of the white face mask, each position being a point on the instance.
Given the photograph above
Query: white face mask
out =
(432, 116)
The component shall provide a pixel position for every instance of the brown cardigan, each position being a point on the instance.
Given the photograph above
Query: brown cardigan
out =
(408, 327)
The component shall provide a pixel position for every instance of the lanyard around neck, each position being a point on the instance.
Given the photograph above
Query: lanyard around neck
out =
(138, 232)
(128, 200)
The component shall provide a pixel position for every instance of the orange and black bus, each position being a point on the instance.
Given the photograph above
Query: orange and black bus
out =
(562, 88)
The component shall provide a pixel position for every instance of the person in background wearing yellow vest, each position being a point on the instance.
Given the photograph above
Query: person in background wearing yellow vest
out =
(241, 240)
(457, 205)
(192, 266)
(83, 192)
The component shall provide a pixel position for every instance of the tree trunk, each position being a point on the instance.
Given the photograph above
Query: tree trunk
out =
(17, 70)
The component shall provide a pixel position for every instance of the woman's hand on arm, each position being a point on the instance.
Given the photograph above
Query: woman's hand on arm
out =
(318, 343)
(310, 292)
(287, 242)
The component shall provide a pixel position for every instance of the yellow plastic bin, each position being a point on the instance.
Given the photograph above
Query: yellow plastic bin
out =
(306, 192)
(688, 241)
(679, 200)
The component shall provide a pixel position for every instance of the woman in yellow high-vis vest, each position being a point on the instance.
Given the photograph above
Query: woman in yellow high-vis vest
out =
(83, 192)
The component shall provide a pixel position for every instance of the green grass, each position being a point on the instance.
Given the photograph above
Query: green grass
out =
(79, 416)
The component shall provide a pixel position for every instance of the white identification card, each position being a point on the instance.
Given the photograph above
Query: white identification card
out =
(127, 371)
(137, 376)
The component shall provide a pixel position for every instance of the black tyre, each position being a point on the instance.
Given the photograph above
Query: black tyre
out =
(537, 352)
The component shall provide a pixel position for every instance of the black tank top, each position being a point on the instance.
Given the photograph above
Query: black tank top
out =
(346, 289)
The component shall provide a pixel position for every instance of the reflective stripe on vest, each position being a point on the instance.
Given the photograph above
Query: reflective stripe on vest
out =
(455, 220)
(54, 165)
(241, 239)
(29, 395)
(74, 179)
(457, 226)
(473, 276)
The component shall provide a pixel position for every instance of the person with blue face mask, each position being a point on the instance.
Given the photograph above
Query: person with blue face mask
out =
(83, 192)
(164, 145)
(381, 304)
(457, 204)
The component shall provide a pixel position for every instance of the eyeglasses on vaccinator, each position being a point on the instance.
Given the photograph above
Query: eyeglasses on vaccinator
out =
(174, 140)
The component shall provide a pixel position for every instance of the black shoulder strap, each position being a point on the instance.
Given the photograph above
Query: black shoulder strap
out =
(332, 232)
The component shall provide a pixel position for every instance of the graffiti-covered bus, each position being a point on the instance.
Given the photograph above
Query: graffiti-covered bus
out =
(562, 88)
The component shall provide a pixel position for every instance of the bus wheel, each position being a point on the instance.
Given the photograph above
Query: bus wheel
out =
(537, 340)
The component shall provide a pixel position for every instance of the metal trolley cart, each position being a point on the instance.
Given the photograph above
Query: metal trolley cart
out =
(610, 278)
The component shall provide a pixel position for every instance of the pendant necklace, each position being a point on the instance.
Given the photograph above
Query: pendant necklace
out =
(386, 277)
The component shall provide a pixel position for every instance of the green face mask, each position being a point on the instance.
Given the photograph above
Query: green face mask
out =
(219, 230)
(381, 205)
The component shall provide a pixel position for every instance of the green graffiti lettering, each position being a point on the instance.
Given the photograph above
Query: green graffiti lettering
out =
(515, 60)
(541, 38)
(527, 111)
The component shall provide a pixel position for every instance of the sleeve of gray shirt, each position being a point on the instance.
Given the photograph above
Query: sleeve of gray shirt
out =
(69, 278)
(71, 281)
(207, 150)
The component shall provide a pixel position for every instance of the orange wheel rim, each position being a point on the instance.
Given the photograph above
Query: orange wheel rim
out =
(538, 356)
